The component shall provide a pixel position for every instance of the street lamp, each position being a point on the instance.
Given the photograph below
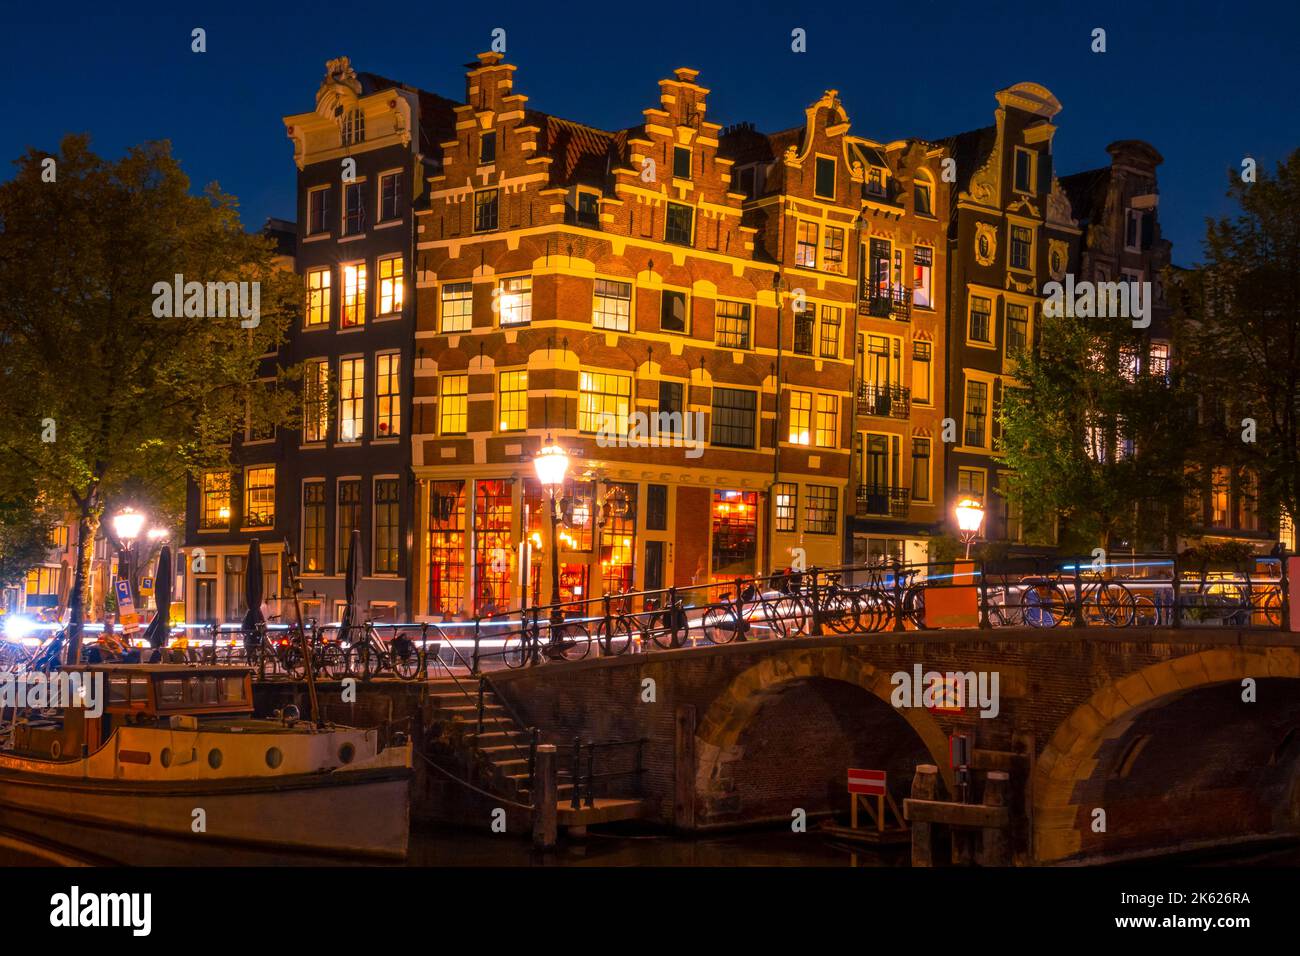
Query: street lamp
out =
(127, 524)
(552, 464)
(970, 515)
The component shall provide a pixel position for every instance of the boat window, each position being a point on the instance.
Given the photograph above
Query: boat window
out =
(118, 692)
(233, 689)
(209, 687)
(171, 690)
(139, 689)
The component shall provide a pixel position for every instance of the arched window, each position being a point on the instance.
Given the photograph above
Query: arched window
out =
(354, 127)
(923, 194)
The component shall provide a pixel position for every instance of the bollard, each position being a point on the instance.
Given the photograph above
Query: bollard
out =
(544, 799)
(985, 624)
(925, 786)
(995, 847)
(898, 595)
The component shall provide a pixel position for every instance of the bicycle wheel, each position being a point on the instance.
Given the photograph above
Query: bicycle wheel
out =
(842, 611)
(719, 624)
(1108, 604)
(406, 662)
(572, 641)
(356, 662)
(914, 607)
(784, 615)
(517, 650)
(1043, 604)
(292, 659)
(1271, 608)
(1145, 612)
(618, 640)
(329, 659)
(669, 628)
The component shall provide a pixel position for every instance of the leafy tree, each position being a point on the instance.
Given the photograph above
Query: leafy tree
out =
(1241, 348)
(25, 531)
(1095, 449)
(102, 402)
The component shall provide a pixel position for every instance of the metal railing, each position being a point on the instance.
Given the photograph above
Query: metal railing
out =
(889, 302)
(884, 401)
(888, 501)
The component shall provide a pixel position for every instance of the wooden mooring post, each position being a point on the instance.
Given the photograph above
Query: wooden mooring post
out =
(992, 818)
(545, 809)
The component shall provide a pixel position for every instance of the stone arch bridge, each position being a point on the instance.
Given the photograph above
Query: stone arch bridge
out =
(1150, 725)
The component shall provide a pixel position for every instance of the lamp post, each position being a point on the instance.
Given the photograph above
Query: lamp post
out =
(127, 525)
(970, 516)
(552, 464)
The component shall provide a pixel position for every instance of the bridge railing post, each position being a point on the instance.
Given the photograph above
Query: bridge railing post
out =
(1079, 619)
(816, 602)
(984, 599)
(478, 634)
(898, 594)
(1175, 608)
(481, 682)
(670, 620)
(609, 623)
(1285, 584)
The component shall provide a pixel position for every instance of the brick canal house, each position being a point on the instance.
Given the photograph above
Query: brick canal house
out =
(1011, 231)
(360, 156)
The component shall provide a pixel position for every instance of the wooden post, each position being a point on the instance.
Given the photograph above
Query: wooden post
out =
(684, 768)
(995, 849)
(925, 786)
(544, 798)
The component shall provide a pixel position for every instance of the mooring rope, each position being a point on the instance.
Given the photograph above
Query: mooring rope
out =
(466, 783)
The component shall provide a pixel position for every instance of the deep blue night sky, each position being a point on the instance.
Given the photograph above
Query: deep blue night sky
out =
(1206, 83)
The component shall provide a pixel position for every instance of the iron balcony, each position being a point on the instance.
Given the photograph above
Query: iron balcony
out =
(884, 401)
(883, 500)
(889, 302)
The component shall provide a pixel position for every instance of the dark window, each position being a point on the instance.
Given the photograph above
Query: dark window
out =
(733, 417)
(1017, 328)
(824, 184)
(672, 311)
(390, 190)
(823, 506)
(732, 330)
(804, 324)
(487, 149)
(670, 398)
(921, 469)
(656, 508)
(745, 182)
(349, 517)
(829, 346)
(921, 194)
(485, 210)
(387, 526)
(876, 181)
(588, 210)
(678, 229)
(977, 406)
(1024, 171)
(318, 211)
(1022, 242)
(980, 310)
(681, 162)
(354, 215)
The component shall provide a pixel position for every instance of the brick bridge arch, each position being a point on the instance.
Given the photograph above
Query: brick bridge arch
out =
(719, 730)
(1070, 758)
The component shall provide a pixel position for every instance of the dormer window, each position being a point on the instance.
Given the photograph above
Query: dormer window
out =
(354, 127)
(1024, 182)
(487, 149)
(876, 181)
(824, 180)
(923, 197)
(588, 209)
(681, 162)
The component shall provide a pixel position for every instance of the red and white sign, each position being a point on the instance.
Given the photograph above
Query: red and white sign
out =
(869, 782)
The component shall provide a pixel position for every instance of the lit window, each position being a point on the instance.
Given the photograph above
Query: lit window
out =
(457, 307)
(732, 327)
(390, 285)
(454, 410)
(920, 469)
(313, 527)
(512, 400)
(259, 497)
(485, 210)
(604, 401)
(515, 300)
(805, 245)
(922, 359)
(352, 399)
(388, 394)
(216, 500)
(800, 417)
(318, 298)
(785, 496)
(611, 306)
(828, 421)
(829, 336)
(315, 400)
(354, 296)
(833, 250)
(922, 276)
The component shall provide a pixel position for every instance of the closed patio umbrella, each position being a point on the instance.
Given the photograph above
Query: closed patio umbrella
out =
(253, 587)
(351, 578)
(160, 626)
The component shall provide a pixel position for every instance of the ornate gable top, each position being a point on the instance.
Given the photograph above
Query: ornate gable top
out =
(1030, 97)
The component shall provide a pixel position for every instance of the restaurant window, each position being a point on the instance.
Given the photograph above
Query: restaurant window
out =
(681, 162)
(977, 407)
(805, 245)
(318, 211)
(678, 225)
(457, 307)
(823, 508)
(604, 402)
(388, 394)
(493, 545)
(618, 538)
(446, 537)
(656, 508)
(733, 423)
(216, 500)
(390, 285)
(828, 421)
(354, 208)
(824, 178)
(920, 469)
(805, 324)
(981, 308)
(313, 527)
(349, 519)
(922, 365)
(259, 497)
(922, 277)
(735, 533)
(800, 417)
(485, 210)
(829, 336)
(672, 311)
(512, 401)
(352, 399)
(318, 298)
(785, 502)
(612, 305)
(315, 400)
(515, 300)
(1022, 245)
(732, 329)
(487, 148)
(833, 250)
(353, 312)
(453, 412)
(390, 196)
(1017, 339)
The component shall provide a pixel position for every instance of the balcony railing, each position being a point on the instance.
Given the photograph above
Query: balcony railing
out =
(890, 302)
(884, 401)
(885, 501)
